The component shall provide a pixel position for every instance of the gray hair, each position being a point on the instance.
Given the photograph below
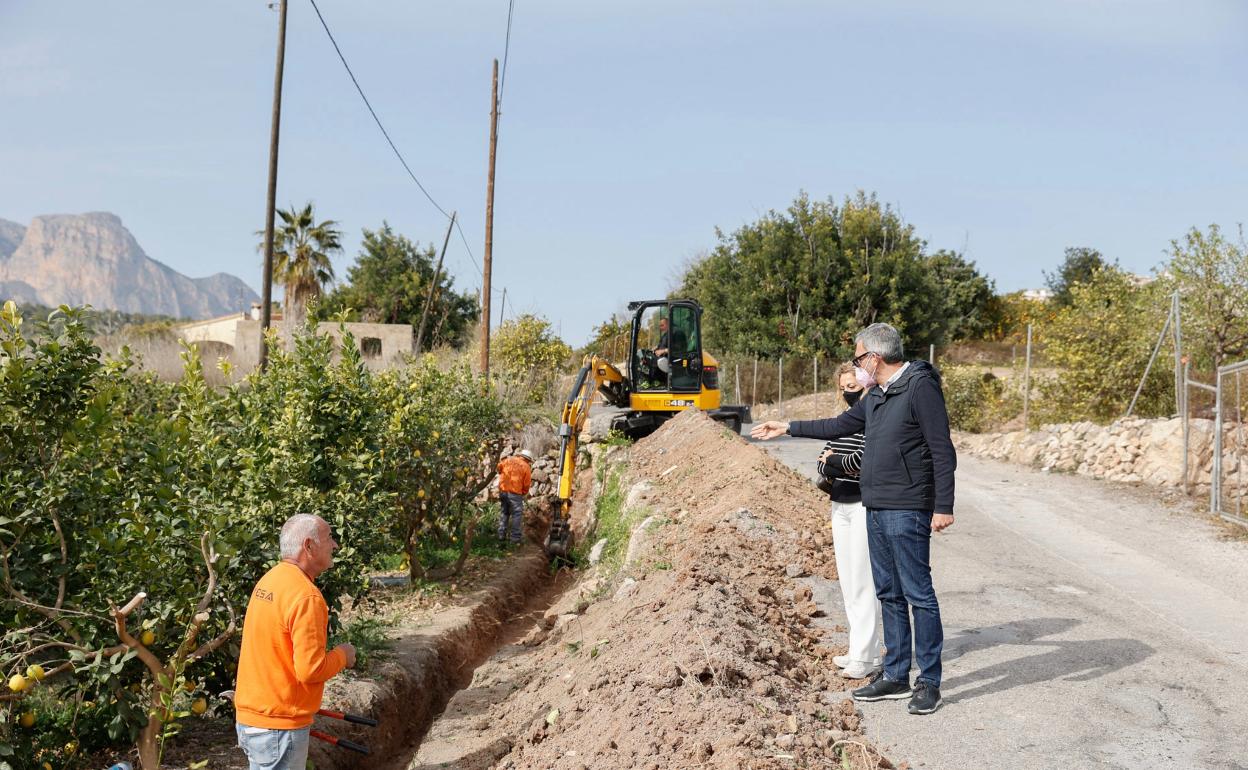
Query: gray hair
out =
(300, 527)
(883, 340)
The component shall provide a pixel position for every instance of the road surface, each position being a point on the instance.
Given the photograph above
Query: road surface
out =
(1087, 625)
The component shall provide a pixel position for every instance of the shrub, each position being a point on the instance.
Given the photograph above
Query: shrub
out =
(116, 483)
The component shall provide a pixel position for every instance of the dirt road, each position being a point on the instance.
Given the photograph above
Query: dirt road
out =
(1086, 626)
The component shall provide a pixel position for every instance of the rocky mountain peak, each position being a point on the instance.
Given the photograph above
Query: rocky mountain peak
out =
(93, 259)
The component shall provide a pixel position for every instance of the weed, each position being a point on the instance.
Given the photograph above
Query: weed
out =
(368, 635)
(617, 438)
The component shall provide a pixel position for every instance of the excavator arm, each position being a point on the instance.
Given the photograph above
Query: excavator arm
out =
(597, 375)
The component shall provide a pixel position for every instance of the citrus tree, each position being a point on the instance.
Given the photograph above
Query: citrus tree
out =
(530, 356)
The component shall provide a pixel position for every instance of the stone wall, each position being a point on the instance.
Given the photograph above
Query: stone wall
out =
(1131, 450)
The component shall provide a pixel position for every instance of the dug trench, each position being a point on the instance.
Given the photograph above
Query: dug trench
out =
(702, 636)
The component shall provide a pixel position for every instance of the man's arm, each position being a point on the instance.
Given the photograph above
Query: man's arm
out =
(933, 419)
(851, 421)
(314, 664)
(847, 423)
(526, 476)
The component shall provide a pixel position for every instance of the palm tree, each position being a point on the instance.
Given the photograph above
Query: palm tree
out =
(301, 250)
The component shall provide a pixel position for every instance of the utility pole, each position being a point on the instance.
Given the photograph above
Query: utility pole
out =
(266, 309)
(489, 230)
(437, 274)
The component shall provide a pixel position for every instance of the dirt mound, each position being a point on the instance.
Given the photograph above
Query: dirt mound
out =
(704, 649)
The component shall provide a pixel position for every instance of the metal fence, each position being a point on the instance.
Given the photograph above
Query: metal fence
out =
(1228, 487)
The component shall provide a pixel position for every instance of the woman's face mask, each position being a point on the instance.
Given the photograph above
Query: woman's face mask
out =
(851, 396)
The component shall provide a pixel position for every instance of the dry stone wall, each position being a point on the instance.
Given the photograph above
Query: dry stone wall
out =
(1131, 450)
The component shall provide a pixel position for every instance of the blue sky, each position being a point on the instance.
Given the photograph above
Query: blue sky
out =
(632, 130)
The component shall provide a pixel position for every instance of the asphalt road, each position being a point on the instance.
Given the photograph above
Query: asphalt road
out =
(1087, 625)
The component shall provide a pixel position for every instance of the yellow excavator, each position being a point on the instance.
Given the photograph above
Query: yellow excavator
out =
(667, 373)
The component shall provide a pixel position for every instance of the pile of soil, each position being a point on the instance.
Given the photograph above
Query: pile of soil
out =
(705, 649)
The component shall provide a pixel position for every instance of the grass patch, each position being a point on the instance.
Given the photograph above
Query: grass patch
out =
(369, 634)
(613, 523)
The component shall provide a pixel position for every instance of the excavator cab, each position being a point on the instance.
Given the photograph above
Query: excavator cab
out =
(667, 354)
(668, 371)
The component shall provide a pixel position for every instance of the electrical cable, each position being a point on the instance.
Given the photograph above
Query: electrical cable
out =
(386, 133)
(502, 84)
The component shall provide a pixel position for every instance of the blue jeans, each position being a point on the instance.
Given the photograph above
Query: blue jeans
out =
(900, 543)
(274, 749)
(512, 508)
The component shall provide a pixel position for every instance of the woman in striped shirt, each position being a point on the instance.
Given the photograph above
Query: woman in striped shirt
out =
(839, 465)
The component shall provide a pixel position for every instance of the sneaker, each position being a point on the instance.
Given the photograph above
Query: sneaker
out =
(859, 670)
(842, 661)
(926, 698)
(882, 688)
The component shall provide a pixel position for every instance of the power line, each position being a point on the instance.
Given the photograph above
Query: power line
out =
(386, 133)
(502, 84)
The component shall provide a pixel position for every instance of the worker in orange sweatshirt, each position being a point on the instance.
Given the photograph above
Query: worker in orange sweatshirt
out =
(283, 665)
(515, 476)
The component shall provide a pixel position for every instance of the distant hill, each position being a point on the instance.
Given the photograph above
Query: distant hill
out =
(78, 259)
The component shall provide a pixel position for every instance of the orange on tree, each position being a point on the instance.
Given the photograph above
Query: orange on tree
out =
(199, 706)
(148, 637)
(27, 719)
(17, 683)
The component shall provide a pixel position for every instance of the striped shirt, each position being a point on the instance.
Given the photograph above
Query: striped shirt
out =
(845, 462)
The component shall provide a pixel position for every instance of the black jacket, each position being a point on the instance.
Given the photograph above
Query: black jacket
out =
(909, 460)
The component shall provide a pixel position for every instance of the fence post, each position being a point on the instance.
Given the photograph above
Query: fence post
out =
(1215, 475)
(1186, 429)
(931, 354)
(1027, 385)
(780, 388)
(736, 392)
(815, 405)
(1180, 392)
(754, 387)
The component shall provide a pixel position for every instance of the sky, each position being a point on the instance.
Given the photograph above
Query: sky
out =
(630, 131)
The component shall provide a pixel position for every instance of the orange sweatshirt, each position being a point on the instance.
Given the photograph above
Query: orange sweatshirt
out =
(283, 665)
(515, 475)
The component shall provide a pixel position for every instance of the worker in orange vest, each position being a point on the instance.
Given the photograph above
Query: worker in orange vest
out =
(515, 476)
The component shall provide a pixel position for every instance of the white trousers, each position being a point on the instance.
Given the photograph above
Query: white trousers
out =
(853, 565)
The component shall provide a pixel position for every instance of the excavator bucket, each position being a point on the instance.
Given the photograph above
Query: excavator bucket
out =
(558, 543)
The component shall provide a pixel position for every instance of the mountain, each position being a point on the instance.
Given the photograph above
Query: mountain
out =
(11, 234)
(78, 259)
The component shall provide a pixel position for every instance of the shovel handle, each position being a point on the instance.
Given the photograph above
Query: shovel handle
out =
(341, 743)
(353, 718)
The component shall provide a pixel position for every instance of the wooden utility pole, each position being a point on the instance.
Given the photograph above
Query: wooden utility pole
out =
(266, 308)
(489, 229)
(437, 274)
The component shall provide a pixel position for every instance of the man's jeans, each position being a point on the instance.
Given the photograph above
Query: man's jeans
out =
(900, 542)
(512, 508)
(274, 749)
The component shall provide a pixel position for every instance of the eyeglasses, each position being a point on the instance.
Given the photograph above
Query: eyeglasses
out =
(857, 360)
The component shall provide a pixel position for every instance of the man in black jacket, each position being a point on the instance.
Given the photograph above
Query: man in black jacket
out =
(907, 488)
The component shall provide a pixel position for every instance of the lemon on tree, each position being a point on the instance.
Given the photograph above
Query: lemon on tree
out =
(17, 683)
(148, 638)
(27, 719)
(35, 672)
(199, 706)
